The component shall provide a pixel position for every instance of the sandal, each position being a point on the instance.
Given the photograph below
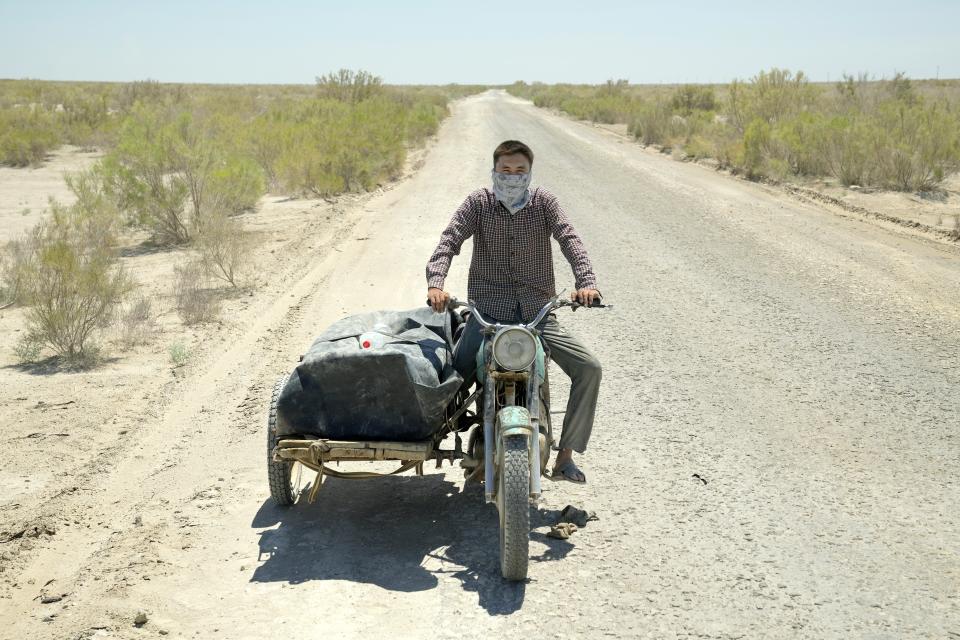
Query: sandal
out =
(570, 472)
(579, 517)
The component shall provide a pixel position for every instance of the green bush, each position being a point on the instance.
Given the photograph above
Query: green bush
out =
(169, 170)
(690, 98)
(141, 175)
(847, 150)
(349, 86)
(38, 116)
(13, 255)
(179, 354)
(326, 146)
(236, 184)
(920, 144)
(27, 136)
(699, 146)
(896, 134)
(69, 276)
(770, 96)
(656, 124)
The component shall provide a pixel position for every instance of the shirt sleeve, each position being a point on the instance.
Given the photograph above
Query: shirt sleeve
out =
(462, 225)
(571, 245)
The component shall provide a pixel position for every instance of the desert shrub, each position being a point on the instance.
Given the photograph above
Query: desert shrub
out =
(179, 354)
(896, 134)
(169, 169)
(920, 144)
(883, 135)
(14, 255)
(731, 152)
(699, 146)
(8, 283)
(27, 135)
(235, 184)
(799, 143)
(222, 245)
(85, 119)
(196, 300)
(37, 116)
(324, 147)
(269, 138)
(28, 348)
(140, 174)
(608, 109)
(900, 88)
(346, 85)
(846, 150)
(136, 322)
(756, 141)
(69, 275)
(422, 121)
(770, 96)
(652, 124)
(144, 92)
(853, 91)
(690, 98)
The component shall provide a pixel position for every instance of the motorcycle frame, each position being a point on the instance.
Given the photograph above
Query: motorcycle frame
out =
(493, 376)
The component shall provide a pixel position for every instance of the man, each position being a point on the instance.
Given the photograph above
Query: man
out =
(511, 279)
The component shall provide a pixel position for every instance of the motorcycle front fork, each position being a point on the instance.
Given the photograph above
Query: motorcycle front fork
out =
(491, 435)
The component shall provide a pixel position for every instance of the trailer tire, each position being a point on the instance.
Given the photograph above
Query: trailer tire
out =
(279, 474)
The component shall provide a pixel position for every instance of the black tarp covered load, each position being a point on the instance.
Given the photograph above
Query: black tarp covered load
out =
(396, 391)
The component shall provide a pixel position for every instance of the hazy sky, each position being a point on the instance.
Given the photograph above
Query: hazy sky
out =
(411, 41)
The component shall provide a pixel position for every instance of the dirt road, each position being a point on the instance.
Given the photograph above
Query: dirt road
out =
(776, 452)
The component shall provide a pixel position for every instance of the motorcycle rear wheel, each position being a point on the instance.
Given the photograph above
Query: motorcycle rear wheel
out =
(513, 502)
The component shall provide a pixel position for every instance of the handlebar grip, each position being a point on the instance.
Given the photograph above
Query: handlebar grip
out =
(596, 303)
(452, 303)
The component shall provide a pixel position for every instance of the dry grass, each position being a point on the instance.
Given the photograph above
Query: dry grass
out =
(136, 322)
(196, 300)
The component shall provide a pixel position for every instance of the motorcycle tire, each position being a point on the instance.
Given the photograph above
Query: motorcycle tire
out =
(513, 502)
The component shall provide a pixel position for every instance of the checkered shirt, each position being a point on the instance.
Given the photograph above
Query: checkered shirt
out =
(512, 260)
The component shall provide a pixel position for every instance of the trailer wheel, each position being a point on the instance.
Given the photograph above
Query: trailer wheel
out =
(513, 502)
(279, 474)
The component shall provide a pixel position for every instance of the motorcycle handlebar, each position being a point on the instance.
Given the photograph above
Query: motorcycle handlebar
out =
(555, 303)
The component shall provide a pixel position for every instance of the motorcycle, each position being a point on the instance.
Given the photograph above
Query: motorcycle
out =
(509, 409)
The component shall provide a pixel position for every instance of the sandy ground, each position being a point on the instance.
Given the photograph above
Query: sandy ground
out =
(25, 193)
(802, 364)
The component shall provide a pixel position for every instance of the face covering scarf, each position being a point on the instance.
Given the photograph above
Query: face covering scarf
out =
(512, 189)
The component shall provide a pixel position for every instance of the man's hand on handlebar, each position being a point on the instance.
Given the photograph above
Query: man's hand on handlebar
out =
(438, 299)
(585, 297)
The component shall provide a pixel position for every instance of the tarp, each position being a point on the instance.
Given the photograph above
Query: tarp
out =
(397, 391)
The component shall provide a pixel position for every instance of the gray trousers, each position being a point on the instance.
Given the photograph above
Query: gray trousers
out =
(573, 358)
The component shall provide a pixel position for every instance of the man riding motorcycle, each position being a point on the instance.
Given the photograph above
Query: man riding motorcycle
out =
(511, 278)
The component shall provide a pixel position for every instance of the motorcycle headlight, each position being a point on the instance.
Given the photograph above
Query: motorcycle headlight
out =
(514, 348)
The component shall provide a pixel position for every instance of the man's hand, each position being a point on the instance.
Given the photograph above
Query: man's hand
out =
(438, 299)
(585, 296)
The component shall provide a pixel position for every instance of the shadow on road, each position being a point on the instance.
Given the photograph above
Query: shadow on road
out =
(383, 531)
(56, 364)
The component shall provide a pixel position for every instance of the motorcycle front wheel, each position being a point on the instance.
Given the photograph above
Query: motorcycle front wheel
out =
(513, 502)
